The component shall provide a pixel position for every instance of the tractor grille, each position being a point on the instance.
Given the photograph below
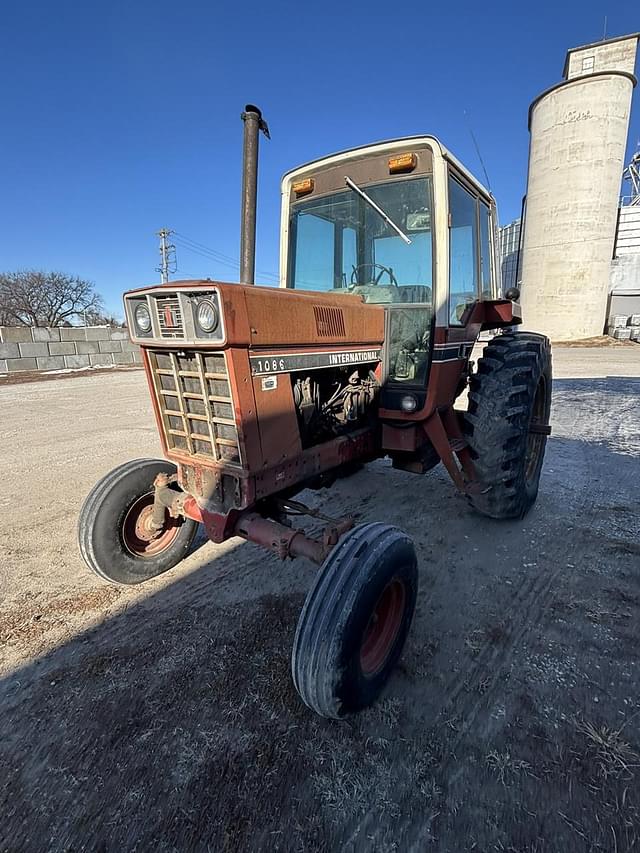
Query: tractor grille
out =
(329, 321)
(194, 398)
(169, 316)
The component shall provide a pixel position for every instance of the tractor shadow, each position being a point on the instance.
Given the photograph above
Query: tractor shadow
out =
(174, 725)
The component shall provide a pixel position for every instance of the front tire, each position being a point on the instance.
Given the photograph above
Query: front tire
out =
(113, 534)
(506, 422)
(355, 620)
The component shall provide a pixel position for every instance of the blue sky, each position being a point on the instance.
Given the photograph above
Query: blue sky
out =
(120, 118)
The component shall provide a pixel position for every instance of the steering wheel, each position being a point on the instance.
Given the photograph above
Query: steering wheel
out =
(354, 275)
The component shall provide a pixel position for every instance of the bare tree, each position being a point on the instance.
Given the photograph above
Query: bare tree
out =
(38, 298)
(101, 318)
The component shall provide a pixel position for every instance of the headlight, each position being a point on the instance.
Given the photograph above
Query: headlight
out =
(143, 318)
(408, 403)
(207, 315)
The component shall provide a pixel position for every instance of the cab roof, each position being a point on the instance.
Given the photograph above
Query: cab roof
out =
(374, 147)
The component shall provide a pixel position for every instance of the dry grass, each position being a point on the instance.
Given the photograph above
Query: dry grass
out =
(596, 342)
(489, 635)
(388, 711)
(33, 615)
(506, 767)
(475, 641)
(613, 756)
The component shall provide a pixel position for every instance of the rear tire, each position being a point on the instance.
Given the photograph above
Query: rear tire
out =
(510, 393)
(111, 531)
(355, 620)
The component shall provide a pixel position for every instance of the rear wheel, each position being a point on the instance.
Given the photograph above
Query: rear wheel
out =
(115, 535)
(506, 423)
(355, 620)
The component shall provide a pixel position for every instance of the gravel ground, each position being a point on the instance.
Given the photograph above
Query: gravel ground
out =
(163, 718)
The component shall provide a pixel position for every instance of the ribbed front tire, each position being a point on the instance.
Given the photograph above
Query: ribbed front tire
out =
(355, 620)
(113, 532)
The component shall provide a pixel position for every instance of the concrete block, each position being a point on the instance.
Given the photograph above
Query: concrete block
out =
(100, 359)
(619, 321)
(52, 362)
(9, 351)
(76, 361)
(16, 364)
(123, 358)
(87, 347)
(110, 346)
(31, 350)
(15, 334)
(43, 333)
(64, 348)
(97, 333)
(127, 346)
(119, 335)
(3, 365)
(71, 334)
(621, 334)
(137, 356)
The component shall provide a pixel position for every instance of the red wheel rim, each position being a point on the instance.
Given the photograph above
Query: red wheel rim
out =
(137, 534)
(383, 627)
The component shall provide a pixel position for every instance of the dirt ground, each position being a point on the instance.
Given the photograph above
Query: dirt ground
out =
(163, 718)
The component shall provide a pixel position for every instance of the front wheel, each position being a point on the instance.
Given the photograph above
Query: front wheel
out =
(355, 620)
(115, 539)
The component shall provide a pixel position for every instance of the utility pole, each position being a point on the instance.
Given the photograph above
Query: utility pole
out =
(167, 255)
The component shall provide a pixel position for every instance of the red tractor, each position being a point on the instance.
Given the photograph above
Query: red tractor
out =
(389, 272)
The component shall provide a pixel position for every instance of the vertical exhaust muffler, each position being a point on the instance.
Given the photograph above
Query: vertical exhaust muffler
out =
(253, 124)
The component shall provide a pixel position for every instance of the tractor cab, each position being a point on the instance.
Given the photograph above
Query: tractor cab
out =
(402, 224)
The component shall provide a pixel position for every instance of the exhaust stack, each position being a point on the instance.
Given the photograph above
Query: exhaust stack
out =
(253, 124)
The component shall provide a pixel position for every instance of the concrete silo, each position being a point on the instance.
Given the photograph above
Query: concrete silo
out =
(578, 138)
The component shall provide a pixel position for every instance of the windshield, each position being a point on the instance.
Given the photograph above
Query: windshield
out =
(341, 243)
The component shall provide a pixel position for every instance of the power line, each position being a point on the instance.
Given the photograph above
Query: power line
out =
(213, 254)
(206, 255)
(192, 274)
(206, 248)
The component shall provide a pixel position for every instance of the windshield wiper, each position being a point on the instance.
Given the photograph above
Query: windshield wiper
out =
(352, 185)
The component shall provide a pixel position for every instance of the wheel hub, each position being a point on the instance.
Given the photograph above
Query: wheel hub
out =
(139, 535)
(382, 630)
(145, 529)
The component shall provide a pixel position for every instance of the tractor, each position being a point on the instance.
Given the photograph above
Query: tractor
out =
(389, 272)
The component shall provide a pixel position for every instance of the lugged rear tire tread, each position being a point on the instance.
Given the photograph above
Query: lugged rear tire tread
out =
(501, 398)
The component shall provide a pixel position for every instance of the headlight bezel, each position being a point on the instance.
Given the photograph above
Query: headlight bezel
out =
(141, 329)
(206, 303)
(409, 404)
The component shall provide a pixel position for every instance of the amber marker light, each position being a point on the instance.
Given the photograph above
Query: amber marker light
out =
(304, 187)
(403, 163)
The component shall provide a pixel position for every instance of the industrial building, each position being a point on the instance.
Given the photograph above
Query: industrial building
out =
(509, 250)
(625, 267)
(578, 139)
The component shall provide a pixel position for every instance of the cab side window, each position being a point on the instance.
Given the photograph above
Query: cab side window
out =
(314, 267)
(463, 250)
(485, 251)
